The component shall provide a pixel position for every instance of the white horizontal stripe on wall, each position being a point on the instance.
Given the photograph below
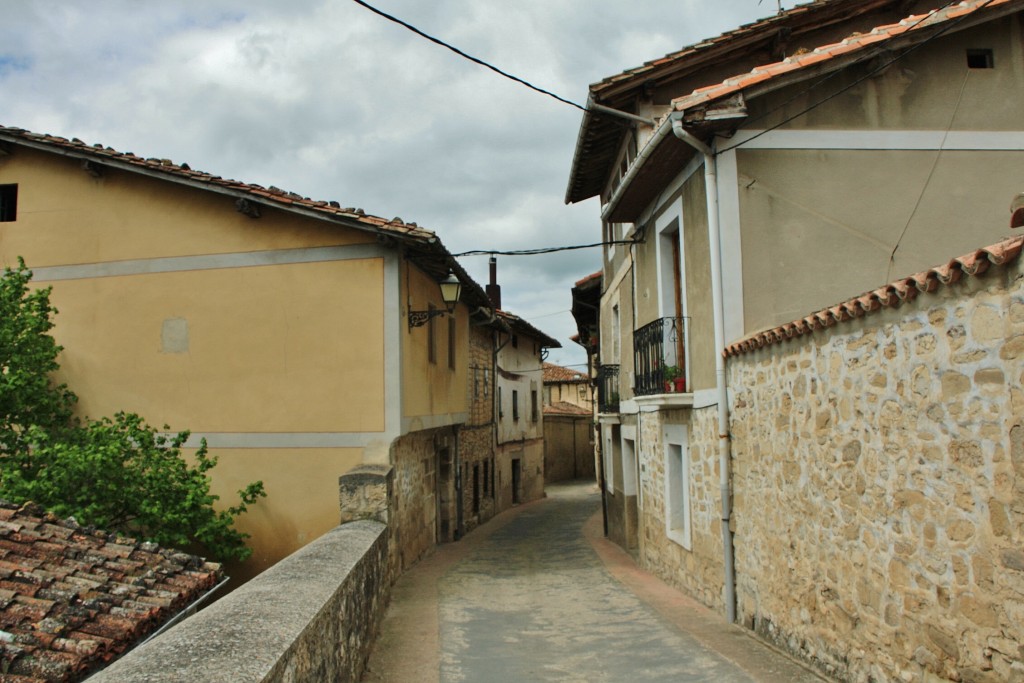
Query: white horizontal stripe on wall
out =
(178, 264)
(284, 439)
(878, 139)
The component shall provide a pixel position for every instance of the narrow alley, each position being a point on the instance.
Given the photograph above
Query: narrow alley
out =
(539, 595)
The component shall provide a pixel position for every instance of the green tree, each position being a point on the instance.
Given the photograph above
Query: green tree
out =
(118, 473)
(28, 354)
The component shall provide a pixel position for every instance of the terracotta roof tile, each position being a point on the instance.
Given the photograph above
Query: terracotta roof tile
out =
(71, 599)
(557, 373)
(854, 43)
(888, 296)
(565, 408)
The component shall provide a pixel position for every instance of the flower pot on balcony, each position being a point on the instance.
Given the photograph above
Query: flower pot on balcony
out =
(669, 387)
(679, 385)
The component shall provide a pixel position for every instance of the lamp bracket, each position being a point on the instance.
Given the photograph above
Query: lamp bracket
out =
(420, 318)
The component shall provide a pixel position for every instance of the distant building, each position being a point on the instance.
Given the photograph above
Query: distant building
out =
(568, 424)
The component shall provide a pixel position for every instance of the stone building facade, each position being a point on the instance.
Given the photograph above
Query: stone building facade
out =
(879, 484)
(476, 436)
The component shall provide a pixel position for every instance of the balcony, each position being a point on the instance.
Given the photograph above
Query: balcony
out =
(660, 357)
(608, 388)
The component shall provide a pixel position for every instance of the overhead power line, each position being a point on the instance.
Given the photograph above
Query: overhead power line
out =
(471, 58)
(542, 250)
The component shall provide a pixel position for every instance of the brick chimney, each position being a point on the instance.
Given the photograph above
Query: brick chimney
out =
(493, 288)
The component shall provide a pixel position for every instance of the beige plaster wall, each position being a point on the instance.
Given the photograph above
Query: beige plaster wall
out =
(266, 349)
(819, 226)
(432, 388)
(697, 257)
(930, 88)
(879, 480)
(67, 216)
(301, 502)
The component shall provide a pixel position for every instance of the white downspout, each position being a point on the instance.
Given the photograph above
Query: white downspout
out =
(724, 444)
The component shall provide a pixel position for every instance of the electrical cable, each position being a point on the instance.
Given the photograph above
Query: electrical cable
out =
(928, 180)
(471, 58)
(542, 250)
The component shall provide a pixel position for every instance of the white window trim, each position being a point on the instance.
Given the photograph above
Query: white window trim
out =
(675, 437)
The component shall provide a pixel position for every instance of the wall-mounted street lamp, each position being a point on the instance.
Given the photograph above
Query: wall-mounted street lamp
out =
(450, 290)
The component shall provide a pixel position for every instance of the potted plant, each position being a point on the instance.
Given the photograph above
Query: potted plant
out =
(674, 380)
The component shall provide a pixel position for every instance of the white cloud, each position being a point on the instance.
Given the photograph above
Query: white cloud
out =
(324, 98)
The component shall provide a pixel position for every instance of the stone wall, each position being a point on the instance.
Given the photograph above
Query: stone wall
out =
(697, 570)
(879, 488)
(476, 452)
(310, 617)
(423, 503)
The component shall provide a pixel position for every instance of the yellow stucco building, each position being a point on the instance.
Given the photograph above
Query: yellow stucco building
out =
(273, 326)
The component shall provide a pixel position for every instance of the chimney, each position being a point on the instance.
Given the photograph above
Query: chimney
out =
(494, 289)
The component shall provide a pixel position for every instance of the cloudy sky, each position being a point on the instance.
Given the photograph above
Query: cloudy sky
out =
(324, 98)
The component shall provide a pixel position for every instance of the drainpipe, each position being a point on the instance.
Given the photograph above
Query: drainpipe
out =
(724, 445)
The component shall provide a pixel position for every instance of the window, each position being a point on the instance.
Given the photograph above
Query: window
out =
(451, 342)
(431, 335)
(515, 404)
(515, 341)
(533, 405)
(501, 406)
(677, 486)
(8, 203)
(476, 382)
(487, 382)
(980, 59)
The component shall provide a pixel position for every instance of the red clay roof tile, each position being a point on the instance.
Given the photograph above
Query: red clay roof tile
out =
(69, 616)
(824, 53)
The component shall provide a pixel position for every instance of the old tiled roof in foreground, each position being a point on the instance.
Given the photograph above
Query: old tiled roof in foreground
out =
(889, 296)
(72, 598)
(858, 42)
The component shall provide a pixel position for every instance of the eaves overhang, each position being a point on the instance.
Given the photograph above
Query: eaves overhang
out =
(718, 110)
(600, 137)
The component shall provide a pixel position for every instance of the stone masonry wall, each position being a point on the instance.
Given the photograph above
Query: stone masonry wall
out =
(311, 617)
(699, 570)
(415, 505)
(879, 488)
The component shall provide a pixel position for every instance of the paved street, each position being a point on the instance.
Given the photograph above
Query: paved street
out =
(538, 595)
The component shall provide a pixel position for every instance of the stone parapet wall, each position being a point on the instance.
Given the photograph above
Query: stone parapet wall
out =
(310, 617)
(879, 488)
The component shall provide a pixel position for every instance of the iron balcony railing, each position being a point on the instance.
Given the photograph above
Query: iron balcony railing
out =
(660, 357)
(608, 388)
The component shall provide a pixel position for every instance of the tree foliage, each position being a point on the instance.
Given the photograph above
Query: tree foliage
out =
(28, 354)
(118, 473)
